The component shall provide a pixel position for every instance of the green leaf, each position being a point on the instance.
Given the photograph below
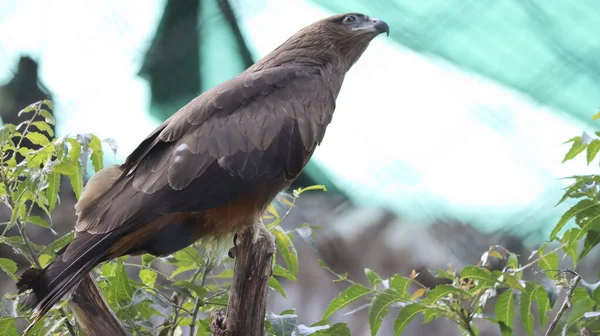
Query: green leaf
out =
(283, 325)
(341, 277)
(338, 329)
(52, 190)
(76, 180)
(35, 159)
(97, 153)
(592, 149)
(147, 259)
(590, 220)
(513, 261)
(58, 243)
(505, 312)
(64, 168)
(120, 284)
(148, 277)
(477, 273)
(47, 117)
(188, 288)
(401, 284)
(583, 205)
(380, 307)
(591, 240)
(108, 270)
(406, 315)
(543, 304)
(374, 278)
(9, 267)
(513, 282)
(186, 259)
(580, 293)
(44, 127)
(571, 241)
(273, 283)
(37, 220)
(45, 259)
(302, 330)
(37, 138)
(74, 151)
(351, 294)
(30, 108)
(526, 301)
(7, 326)
(578, 309)
(278, 270)
(431, 314)
(440, 292)
(287, 249)
(596, 116)
(549, 262)
(576, 148)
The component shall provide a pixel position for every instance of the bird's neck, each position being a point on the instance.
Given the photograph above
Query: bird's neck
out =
(303, 56)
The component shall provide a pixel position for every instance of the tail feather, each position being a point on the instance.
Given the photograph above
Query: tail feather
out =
(50, 284)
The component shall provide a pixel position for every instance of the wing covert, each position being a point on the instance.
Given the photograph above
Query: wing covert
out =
(244, 132)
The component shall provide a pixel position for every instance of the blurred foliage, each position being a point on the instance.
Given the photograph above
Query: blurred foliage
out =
(176, 294)
(468, 291)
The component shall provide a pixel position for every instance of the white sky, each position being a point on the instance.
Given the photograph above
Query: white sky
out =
(424, 129)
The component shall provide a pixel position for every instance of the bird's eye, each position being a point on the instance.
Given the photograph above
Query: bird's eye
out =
(349, 19)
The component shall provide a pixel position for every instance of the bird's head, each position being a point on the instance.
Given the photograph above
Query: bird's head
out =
(351, 33)
(342, 37)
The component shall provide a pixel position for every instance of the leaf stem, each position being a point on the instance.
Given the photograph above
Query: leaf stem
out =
(533, 262)
(198, 303)
(466, 319)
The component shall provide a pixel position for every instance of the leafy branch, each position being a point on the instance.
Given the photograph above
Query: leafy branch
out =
(567, 302)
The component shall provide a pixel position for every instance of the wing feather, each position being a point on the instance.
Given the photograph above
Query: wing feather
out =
(243, 133)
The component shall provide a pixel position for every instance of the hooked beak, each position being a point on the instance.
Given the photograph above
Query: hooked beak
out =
(374, 25)
(381, 26)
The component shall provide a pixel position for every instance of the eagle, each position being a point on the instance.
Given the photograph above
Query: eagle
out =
(213, 167)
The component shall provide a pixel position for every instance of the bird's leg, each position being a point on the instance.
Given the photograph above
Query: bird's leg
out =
(259, 229)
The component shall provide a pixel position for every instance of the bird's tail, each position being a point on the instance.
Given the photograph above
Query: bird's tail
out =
(50, 284)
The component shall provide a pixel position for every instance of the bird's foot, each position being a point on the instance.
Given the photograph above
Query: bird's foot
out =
(259, 230)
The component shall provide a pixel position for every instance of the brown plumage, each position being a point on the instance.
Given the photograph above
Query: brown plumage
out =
(212, 168)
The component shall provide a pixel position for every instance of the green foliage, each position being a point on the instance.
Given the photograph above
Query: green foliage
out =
(471, 289)
(183, 289)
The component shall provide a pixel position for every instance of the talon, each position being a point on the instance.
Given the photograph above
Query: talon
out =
(235, 235)
(231, 252)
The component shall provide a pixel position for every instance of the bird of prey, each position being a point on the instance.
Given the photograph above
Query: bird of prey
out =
(213, 167)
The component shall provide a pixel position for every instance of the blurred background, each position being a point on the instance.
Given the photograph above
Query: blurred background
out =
(457, 147)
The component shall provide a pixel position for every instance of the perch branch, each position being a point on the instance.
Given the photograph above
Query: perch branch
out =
(91, 311)
(248, 296)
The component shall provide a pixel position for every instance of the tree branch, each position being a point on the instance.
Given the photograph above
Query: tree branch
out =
(248, 296)
(566, 303)
(91, 311)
